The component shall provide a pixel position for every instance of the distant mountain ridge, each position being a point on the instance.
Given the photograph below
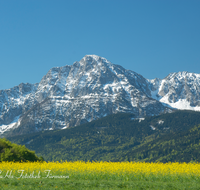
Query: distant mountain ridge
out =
(89, 89)
(179, 90)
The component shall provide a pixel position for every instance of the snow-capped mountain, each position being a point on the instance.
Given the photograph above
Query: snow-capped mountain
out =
(89, 89)
(179, 90)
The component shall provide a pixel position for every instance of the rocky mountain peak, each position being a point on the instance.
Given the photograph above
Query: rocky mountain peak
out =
(89, 89)
(180, 90)
(183, 75)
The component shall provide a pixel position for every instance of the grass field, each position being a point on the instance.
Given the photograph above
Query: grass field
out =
(99, 175)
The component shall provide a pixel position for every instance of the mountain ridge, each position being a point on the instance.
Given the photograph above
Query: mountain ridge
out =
(89, 89)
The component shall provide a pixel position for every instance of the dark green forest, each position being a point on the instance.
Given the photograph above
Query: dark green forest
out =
(118, 137)
(13, 152)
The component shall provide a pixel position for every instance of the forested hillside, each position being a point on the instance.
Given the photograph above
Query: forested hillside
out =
(120, 137)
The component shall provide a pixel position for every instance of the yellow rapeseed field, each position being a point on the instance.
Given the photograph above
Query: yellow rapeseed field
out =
(102, 168)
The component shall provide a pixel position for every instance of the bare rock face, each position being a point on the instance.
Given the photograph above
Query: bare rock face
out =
(87, 90)
(180, 90)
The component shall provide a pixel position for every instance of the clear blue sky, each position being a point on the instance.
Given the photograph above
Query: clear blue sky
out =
(150, 37)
